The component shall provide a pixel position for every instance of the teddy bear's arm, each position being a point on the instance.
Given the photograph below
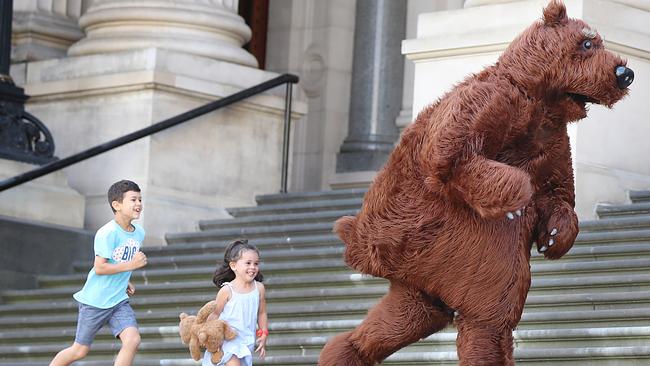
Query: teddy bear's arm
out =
(457, 149)
(555, 200)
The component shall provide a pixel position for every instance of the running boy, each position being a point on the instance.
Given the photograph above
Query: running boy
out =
(104, 299)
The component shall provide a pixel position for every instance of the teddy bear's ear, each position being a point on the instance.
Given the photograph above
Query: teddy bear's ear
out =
(555, 14)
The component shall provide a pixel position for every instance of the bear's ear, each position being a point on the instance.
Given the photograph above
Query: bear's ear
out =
(555, 14)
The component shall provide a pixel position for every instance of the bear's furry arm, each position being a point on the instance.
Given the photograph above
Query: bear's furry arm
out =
(555, 198)
(463, 135)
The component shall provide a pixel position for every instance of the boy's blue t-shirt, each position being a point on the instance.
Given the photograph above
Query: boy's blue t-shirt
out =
(117, 245)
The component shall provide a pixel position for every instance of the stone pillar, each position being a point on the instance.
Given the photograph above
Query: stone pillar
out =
(609, 148)
(314, 39)
(415, 8)
(209, 28)
(376, 85)
(44, 29)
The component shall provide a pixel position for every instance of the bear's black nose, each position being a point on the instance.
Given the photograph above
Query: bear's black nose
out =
(624, 77)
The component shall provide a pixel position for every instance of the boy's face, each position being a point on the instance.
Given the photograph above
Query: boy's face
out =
(130, 207)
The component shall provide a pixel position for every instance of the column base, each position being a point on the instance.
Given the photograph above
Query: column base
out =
(360, 179)
(354, 161)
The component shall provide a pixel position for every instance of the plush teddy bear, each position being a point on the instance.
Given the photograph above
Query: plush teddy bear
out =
(199, 332)
(475, 180)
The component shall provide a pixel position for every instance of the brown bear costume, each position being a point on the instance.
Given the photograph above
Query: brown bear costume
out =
(480, 176)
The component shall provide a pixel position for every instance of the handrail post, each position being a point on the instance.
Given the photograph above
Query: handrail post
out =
(285, 142)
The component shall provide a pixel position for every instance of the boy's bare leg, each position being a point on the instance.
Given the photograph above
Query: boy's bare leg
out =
(130, 338)
(71, 354)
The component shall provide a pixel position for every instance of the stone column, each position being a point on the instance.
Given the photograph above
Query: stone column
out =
(209, 28)
(44, 29)
(376, 85)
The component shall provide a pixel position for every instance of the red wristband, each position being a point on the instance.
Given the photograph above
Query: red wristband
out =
(261, 332)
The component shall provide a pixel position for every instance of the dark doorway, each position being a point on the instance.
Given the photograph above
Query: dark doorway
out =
(256, 15)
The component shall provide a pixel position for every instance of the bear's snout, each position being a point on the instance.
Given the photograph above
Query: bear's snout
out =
(624, 76)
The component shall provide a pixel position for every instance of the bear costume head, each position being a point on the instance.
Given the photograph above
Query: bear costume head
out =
(564, 61)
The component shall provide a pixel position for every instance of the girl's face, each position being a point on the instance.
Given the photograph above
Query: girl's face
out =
(246, 267)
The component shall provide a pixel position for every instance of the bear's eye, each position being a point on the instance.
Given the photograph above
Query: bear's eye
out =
(587, 44)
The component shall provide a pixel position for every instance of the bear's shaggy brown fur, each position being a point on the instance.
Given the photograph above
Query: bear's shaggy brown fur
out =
(480, 176)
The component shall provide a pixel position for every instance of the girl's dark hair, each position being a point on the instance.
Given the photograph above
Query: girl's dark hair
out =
(233, 252)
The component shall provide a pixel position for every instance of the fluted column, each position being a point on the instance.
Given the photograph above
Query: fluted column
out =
(377, 75)
(209, 28)
(44, 29)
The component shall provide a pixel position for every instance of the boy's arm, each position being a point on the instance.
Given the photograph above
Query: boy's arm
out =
(102, 267)
(262, 323)
(130, 289)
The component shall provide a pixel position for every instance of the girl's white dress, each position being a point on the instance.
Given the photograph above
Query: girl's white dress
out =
(241, 313)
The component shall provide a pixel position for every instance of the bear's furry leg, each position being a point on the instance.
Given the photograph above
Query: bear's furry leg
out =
(401, 317)
(481, 344)
(507, 348)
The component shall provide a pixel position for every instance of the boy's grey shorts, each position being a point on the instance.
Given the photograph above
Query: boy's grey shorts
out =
(92, 319)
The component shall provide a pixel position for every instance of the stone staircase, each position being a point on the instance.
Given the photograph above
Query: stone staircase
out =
(590, 308)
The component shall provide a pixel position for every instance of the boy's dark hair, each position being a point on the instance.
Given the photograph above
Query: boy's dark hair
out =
(233, 252)
(117, 190)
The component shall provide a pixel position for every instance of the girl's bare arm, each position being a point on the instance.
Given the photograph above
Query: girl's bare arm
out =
(222, 298)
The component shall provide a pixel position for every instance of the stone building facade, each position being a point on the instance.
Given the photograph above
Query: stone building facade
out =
(98, 69)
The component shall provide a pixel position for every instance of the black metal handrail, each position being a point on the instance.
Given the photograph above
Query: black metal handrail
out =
(288, 79)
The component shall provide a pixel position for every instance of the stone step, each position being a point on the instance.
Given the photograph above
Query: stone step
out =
(275, 220)
(606, 210)
(590, 308)
(580, 249)
(612, 236)
(201, 260)
(264, 244)
(164, 310)
(335, 250)
(581, 356)
(297, 207)
(205, 285)
(252, 232)
(276, 198)
(536, 303)
(640, 196)
(198, 279)
(306, 232)
(168, 343)
(203, 272)
(616, 223)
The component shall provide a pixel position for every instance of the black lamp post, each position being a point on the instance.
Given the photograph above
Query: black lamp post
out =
(22, 136)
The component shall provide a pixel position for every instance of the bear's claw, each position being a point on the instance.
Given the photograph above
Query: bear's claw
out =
(511, 215)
